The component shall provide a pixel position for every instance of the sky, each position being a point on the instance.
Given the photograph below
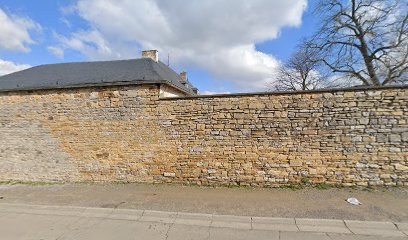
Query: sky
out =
(224, 45)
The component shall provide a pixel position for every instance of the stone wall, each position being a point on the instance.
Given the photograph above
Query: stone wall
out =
(88, 134)
(129, 134)
(352, 137)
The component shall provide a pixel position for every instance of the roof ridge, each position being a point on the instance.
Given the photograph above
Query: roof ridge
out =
(85, 62)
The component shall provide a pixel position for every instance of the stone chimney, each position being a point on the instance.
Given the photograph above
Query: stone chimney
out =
(183, 76)
(152, 54)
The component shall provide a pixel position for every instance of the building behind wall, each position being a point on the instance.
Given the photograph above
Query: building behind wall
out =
(146, 70)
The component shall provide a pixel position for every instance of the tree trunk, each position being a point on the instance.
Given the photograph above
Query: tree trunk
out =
(368, 62)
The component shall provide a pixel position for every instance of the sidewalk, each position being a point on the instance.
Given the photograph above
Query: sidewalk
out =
(21, 221)
(383, 205)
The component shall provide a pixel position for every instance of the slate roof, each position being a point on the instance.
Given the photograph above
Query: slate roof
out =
(82, 74)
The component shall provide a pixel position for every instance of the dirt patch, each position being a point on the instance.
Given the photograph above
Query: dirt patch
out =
(378, 205)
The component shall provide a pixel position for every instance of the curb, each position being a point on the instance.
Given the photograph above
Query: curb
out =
(387, 229)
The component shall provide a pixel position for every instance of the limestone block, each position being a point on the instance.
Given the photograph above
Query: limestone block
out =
(168, 174)
(401, 167)
(296, 163)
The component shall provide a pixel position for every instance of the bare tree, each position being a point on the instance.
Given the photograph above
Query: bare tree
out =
(301, 72)
(366, 40)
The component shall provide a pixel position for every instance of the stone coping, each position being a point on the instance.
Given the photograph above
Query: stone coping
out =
(370, 228)
(333, 90)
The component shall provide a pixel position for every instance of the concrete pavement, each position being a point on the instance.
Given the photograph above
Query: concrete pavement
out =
(389, 205)
(22, 221)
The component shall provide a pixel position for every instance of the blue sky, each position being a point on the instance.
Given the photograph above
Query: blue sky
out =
(233, 49)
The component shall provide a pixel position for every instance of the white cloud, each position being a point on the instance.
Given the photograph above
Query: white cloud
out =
(56, 51)
(7, 67)
(217, 36)
(90, 43)
(213, 93)
(15, 32)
